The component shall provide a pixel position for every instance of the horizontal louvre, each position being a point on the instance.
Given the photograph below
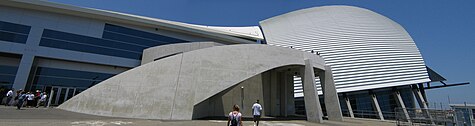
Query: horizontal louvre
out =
(363, 48)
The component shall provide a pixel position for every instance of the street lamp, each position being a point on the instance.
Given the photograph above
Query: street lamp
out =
(242, 97)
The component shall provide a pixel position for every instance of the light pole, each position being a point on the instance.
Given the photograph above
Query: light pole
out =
(242, 97)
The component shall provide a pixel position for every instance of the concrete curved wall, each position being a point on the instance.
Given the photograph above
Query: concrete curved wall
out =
(158, 52)
(170, 87)
(365, 50)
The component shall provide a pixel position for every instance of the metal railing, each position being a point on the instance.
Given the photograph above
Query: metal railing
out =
(420, 117)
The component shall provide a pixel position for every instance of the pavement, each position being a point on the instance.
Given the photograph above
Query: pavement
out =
(9, 116)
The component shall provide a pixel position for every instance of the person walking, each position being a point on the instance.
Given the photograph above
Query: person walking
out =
(37, 97)
(42, 100)
(9, 97)
(30, 97)
(21, 99)
(256, 111)
(235, 117)
(15, 97)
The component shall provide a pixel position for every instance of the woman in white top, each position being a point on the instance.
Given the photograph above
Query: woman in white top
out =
(30, 99)
(235, 117)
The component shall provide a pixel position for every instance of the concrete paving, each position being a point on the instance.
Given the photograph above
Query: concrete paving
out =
(9, 116)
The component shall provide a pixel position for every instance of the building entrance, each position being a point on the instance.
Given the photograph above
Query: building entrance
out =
(60, 94)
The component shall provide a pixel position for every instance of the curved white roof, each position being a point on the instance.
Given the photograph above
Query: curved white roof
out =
(365, 50)
(235, 34)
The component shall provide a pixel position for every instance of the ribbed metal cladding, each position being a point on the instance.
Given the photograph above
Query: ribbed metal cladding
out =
(365, 50)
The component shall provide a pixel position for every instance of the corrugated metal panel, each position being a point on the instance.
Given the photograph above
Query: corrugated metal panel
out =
(365, 50)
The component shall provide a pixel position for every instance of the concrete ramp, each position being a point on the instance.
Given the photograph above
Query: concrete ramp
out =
(169, 88)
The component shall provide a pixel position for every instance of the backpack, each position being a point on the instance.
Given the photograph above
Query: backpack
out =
(234, 120)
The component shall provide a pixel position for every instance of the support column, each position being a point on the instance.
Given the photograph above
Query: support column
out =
(332, 104)
(421, 89)
(289, 94)
(26, 63)
(422, 103)
(419, 97)
(400, 102)
(376, 106)
(312, 102)
(348, 105)
(283, 93)
(274, 99)
(23, 71)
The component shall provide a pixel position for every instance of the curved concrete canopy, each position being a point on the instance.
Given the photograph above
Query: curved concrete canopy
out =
(365, 49)
(169, 88)
(159, 52)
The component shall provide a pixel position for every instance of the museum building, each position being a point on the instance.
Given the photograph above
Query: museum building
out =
(66, 50)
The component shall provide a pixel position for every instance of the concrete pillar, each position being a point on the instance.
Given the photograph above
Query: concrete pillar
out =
(332, 103)
(401, 105)
(26, 63)
(274, 95)
(312, 103)
(282, 93)
(266, 86)
(376, 106)
(289, 94)
(23, 71)
(348, 105)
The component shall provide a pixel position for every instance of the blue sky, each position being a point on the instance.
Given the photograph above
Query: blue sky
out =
(444, 31)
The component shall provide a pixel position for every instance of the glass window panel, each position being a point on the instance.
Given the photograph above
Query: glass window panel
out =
(6, 79)
(72, 73)
(88, 48)
(129, 39)
(124, 46)
(11, 37)
(143, 34)
(67, 82)
(68, 78)
(94, 45)
(14, 27)
(62, 35)
(8, 70)
(91, 40)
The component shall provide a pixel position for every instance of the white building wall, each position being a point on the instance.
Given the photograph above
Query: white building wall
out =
(365, 50)
(76, 25)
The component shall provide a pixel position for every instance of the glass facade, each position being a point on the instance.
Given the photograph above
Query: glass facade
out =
(45, 76)
(11, 32)
(117, 41)
(362, 104)
(7, 76)
(387, 103)
(137, 37)
(63, 40)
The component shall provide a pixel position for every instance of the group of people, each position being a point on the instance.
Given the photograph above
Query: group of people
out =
(22, 98)
(235, 117)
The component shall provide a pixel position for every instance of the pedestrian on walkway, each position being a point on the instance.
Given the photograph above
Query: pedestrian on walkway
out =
(42, 100)
(15, 97)
(30, 97)
(37, 97)
(256, 111)
(9, 97)
(21, 99)
(235, 117)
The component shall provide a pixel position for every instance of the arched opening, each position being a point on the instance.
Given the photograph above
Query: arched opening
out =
(273, 88)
